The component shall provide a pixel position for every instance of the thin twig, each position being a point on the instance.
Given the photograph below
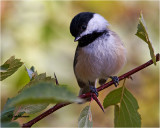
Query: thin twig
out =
(57, 83)
(60, 105)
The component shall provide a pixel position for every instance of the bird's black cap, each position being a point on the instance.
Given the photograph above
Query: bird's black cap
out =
(79, 23)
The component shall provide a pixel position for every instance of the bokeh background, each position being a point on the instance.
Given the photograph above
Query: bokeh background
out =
(38, 33)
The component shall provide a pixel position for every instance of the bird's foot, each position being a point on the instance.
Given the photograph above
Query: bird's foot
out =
(93, 90)
(115, 80)
(94, 95)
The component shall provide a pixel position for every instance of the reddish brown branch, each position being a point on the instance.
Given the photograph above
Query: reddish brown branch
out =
(60, 105)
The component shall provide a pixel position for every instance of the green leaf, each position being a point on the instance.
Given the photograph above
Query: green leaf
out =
(126, 109)
(10, 124)
(112, 98)
(10, 67)
(143, 34)
(32, 108)
(6, 106)
(85, 118)
(34, 78)
(38, 78)
(4, 67)
(116, 112)
(44, 92)
(7, 114)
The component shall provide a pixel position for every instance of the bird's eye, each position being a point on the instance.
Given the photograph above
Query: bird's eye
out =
(83, 27)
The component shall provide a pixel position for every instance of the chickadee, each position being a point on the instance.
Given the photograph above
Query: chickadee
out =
(100, 53)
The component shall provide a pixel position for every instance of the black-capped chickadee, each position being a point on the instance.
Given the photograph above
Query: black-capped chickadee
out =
(100, 53)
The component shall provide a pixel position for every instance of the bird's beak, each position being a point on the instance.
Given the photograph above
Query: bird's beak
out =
(77, 38)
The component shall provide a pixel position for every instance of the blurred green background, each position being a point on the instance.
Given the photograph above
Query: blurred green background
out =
(38, 33)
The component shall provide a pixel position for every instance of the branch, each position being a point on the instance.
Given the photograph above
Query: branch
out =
(60, 105)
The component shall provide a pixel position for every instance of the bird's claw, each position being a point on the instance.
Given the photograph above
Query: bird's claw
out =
(115, 80)
(95, 95)
(93, 90)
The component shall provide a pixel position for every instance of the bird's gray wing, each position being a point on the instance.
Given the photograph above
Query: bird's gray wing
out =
(84, 86)
(75, 57)
(80, 83)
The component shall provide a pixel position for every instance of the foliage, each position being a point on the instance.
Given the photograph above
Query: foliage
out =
(126, 106)
(51, 94)
(85, 118)
(30, 99)
(42, 90)
(32, 108)
(143, 34)
(10, 124)
(9, 67)
(8, 117)
(7, 114)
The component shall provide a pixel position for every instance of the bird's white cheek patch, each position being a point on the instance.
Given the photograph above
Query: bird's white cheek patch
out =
(97, 23)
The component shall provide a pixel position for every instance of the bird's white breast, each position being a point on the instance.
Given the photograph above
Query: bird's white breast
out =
(100, 59)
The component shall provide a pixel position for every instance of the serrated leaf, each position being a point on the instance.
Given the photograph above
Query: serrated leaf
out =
(10, 67)
(31, 109)
(7, 114)
(127, 114)
(34, 78)
(6, 106)
(85, 118)
(4, 67)
(143, 34)
(38, 78)
(112, 98)
(44, 92)
(10, 124)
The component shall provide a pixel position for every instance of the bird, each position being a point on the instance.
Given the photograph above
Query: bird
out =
(100, 53)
